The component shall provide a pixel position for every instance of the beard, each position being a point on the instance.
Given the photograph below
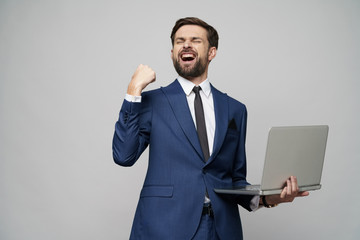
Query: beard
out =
(192, 71)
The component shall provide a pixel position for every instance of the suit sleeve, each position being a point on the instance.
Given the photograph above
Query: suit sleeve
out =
(239, 170)
(132, 132)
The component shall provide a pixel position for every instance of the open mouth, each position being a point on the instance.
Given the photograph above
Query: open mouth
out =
(187, 56)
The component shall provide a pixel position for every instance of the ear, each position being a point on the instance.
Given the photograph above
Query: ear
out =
(212, 53)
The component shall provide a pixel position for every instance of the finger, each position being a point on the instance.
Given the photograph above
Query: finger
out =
(283, 192)
(289, 187)
(294, 185)
(303, 194)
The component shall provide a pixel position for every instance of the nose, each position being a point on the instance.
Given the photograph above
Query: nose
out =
(187, 44)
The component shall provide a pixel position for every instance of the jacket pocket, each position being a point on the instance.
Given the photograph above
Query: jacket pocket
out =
(157, 191)
(233, 132)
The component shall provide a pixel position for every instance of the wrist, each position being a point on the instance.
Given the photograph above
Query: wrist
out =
(134, 91)
(266, 203)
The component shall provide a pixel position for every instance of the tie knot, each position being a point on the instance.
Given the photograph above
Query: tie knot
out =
(196, 89)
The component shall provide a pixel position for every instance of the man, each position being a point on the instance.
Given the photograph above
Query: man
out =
(197, 143)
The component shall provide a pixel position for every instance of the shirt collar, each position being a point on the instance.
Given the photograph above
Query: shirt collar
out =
(188, 86)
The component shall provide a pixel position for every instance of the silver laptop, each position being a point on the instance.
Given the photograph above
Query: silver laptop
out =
(291, 151)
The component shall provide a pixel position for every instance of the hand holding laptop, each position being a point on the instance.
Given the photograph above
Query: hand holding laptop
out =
(288, 194)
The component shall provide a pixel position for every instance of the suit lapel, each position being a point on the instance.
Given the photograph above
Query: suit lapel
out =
(221, 109)
(179, 105)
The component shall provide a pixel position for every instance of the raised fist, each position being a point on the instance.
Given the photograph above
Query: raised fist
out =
(142, 77)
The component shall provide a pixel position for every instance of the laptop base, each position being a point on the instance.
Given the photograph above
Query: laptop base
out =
(257, 191)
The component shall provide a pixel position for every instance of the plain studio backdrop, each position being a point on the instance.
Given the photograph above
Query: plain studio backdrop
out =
(64, 70)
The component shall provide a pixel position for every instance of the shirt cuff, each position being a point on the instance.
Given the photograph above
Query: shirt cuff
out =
(254, 203)
(131, 98)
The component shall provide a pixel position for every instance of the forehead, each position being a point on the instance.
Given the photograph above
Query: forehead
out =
(190, 31)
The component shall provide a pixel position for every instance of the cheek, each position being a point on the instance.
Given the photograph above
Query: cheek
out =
(202, 51)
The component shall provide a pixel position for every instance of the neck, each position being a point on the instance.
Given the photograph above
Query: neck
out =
(198, 80)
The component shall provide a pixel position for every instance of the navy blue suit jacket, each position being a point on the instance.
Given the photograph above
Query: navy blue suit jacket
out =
(172, 197)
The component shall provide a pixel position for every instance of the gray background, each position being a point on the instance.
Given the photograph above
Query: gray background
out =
(64, 70)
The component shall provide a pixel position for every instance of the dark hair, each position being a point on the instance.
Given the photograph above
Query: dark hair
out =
(212, 34)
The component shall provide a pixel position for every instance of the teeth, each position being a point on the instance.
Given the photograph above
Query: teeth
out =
(188, 55)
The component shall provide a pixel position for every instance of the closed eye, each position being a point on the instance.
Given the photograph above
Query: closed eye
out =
(196, 40)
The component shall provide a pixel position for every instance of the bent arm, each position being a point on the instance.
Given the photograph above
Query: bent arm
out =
(239, 170)
(132, 132)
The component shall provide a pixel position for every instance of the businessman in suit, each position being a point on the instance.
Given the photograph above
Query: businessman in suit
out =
(196, 135)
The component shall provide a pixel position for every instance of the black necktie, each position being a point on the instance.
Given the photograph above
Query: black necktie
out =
(200, 123)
